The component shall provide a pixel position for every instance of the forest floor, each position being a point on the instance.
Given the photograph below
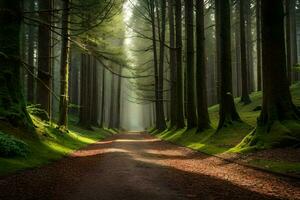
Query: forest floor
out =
(224, 142)
(138, 166)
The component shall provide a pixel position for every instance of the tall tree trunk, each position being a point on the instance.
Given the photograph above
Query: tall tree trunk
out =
(162, 124)
(160, 121)
(44, 59)
(258, 41)
(12, 104)
(112, 103)
(173, 106)
(277, 102)
(190, 64)
(294, 37)
(64, 71)
(103, 99)
(203, 117)
(31, 46)
(249, 46)
(288, 40)
(118, 107)
(228, 113)
(277, 106)
(95, 103)
(245, 98)
(179, 77)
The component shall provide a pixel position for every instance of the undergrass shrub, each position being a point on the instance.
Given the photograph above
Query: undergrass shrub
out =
(11, 146)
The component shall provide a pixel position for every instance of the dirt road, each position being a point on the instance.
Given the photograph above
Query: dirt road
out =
(138, 166)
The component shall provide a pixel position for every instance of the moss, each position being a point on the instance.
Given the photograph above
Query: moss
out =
(50, 144)
(277, 166)
(11, 147)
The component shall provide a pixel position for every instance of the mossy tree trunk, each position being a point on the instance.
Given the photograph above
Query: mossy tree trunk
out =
(44, 59)
(190, 64)
(228, 113)
(12, 104)
(65, 61)
(277, 101)
(202, 108)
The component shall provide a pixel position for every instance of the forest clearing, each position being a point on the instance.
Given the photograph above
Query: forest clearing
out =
(149, 99)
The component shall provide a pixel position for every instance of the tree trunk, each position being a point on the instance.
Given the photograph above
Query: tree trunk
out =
(179, 74)
(278, 108)
(12, 104)
(190, 64)
(95, 103)
(44, 59)
(112, 103)
(277, 102)
(173, 106)
(203, 117)
(228, 113)
(103, 99)
(244, 63)
(258, 38)
(31, 46)
(288, 40)
(161, 125)
(64, 71)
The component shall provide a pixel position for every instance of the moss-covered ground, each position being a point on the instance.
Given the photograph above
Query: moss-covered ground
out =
(227, 139)
(48, 144)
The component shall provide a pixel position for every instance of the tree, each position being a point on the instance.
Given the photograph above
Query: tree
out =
(278, 123)
(44, 58)
(203, 117)
(258, 41)
(161, 124)
(12, 105)
(190, 62)
(228, 113)
(172, 52)
(245, 98)
(179, 76)
(64, 71)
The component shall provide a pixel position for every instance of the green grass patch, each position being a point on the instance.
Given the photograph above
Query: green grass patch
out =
(228, 139)
(277, 166)
(50, 145)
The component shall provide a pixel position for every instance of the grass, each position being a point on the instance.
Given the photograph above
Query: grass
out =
(277, 166)
(51, 144)
(227, 139)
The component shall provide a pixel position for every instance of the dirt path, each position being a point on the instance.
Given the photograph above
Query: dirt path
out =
(138, 166)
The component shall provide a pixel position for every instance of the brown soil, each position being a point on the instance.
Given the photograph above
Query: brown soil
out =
(138, 166)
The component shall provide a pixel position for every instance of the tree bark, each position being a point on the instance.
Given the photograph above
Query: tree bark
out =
(30, 73)
(64, 71)
(173, 106)
(203, 117)
(179, 74)
(44, 59)
(258, 42)
(277, 101)
(161, 125)
(103, 99)
(190, 64)
(228, 113)
(245, 98)
(12, 104)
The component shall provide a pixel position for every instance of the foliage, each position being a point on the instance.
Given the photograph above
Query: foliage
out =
(51, 144)
(11, 147)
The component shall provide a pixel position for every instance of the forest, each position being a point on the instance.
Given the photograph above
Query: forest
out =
(149, 99)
